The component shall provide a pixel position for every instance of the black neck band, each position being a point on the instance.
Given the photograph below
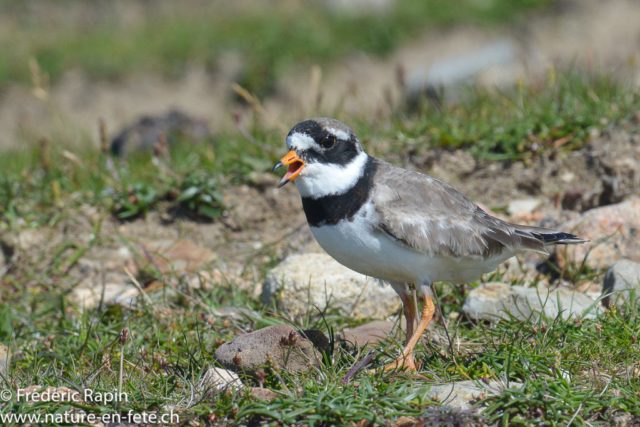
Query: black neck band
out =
(329, 210)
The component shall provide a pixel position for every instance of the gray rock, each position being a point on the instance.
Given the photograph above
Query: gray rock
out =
(5, 361)
(459, 70)
(281, 345)
(359, 7)
(612, 229)
(13, 246)
(176, 126)
(316, 280)
(494, 301)
(318, 339)
(622, 419)
(620, 280)
(465, 394)
(220, 379)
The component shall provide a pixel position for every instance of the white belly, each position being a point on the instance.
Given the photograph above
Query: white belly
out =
(358, 246)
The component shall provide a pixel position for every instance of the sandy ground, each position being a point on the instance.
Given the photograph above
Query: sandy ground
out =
(589, 34)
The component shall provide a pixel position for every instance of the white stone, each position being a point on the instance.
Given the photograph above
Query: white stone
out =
(88, 296)
(567, 177)
(465, 394)
(5, 361)
(495, 301)
(523, 205)
(303, 282)
(220, 379)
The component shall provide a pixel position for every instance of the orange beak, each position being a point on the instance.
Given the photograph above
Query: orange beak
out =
(295, 164)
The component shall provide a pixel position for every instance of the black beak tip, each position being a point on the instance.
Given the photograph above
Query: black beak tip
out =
(282, 182)
(277, 166)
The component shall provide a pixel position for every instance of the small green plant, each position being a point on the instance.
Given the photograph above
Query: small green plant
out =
(135, 201)
(199, 194)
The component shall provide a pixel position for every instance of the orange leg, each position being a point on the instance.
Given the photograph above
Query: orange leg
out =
(406, 359)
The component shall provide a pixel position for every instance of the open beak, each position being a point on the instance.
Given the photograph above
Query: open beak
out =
(295, 167)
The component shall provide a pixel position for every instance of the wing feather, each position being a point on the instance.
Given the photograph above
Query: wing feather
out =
(432, 217)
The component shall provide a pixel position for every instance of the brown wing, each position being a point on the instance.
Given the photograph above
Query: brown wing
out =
(432, 217)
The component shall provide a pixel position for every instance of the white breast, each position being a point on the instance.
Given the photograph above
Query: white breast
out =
(360, 246)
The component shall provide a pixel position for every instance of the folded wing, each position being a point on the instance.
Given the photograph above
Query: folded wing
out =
(432, 217)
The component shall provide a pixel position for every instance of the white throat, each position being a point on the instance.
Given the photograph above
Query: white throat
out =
(320, 179)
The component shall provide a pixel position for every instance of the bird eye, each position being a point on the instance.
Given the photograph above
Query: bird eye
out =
(328, 141)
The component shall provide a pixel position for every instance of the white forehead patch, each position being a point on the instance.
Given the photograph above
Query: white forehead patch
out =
(300, 142)
(340, 134)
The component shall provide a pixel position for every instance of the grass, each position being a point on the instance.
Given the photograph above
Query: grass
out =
(579, 370)
(270, 38)
(558, 115)
(582, 371)
(550, 117)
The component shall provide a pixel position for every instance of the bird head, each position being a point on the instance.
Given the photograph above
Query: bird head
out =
(324, 152)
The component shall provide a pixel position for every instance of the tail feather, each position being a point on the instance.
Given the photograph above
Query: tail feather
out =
(500, 235)
(550, 237)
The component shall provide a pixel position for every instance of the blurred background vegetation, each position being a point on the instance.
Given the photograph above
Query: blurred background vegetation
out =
(109, 40)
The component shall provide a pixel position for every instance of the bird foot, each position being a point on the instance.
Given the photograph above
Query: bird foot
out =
(402, 363)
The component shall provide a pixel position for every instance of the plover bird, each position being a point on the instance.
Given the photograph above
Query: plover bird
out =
(399, 226)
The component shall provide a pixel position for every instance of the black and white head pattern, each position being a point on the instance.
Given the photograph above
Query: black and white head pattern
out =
(333, 155)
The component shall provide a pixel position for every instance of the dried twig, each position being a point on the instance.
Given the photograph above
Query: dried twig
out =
(124, 334)
(144, 294)
(45, 153)
(257, 106)
(149, 258)
(161, 157)
(114, 172)
(361, 364)
(316, 77)
(40, 80)
(104, 140)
